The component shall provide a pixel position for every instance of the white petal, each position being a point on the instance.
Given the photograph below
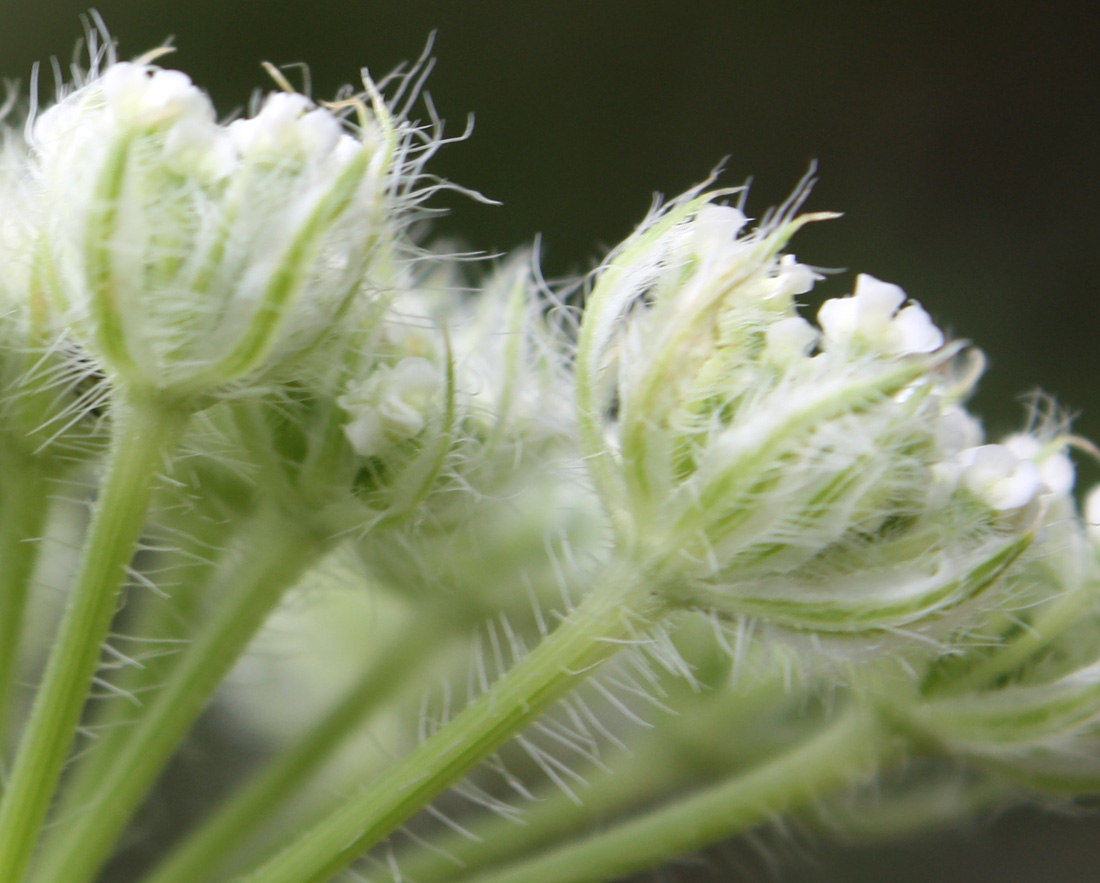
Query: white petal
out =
(957, 429)
(790, 339)
(717, 225)
(320, 131)
(878, 300)
(839, 319)
(1058, 474)
(1092, 513)
(1056, 468)
(915, 331)
(998, 476)
(794, 278)
(1018, 489)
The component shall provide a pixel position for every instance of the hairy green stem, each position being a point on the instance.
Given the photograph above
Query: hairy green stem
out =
(688, 749)
(25, 503)
(685, 750)
(278, 550)
(843, 752)
(164, 625)
(627, 781)
(613, 612)
(207, 848)
(143, 431)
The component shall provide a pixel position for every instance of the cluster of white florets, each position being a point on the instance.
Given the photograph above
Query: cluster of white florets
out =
(186, 253)
(824, 476)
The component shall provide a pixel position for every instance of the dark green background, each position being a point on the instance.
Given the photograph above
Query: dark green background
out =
(961, 140)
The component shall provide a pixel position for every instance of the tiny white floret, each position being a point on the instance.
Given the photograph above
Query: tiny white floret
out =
(1092, 514)
(391, 405)
(871, 317)
(790, 339)
(1055, 467)
(996, 475)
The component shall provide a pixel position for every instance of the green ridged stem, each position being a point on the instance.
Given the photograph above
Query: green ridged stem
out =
(24, 499)
(160, 622)
(205, 850)
(629, 779)
(277, 551)
(620, 606)
(143, 432)
(841, 753)
(684, 750)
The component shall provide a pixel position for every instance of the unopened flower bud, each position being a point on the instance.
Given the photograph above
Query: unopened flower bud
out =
(824, 480)
(186, 255)
(390, 405)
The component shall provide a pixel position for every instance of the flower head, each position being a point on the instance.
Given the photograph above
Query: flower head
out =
(824, 478)
(187, 254)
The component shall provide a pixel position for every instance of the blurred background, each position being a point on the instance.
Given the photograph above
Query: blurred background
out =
(961, 141)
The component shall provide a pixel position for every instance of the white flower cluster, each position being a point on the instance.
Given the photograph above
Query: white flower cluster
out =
(825, 477)
(187, 253)
(390, 405)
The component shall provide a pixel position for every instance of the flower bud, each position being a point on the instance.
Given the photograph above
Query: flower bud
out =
(491, 540)
(478, 378)
(1028, 705)
(187, 254)
(825, 479)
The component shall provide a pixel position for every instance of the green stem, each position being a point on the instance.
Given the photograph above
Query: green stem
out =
(627, 781)
(688, 749)
(165, 624)
(841, 753)
(611, 613)
(208, 847)
(143, 431)
(277, 553)
(25, 504)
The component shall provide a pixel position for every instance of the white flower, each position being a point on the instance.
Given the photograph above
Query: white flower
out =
(790, 339)
(1055, 467)
(999, 477)
(846, 491)
(1092, 514)
(871, 317)
(391, 404)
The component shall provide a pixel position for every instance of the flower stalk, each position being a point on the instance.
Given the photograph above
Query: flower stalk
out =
(144, 430)
(616, 610)
(26, 492)
(204, 850)
(277, 552)
(846, 751)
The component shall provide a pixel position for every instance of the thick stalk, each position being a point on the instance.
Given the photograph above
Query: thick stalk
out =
(278, 551)
(612, 613)
(206, 849)
(24, 501)
(840, 754)
(143, 431)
